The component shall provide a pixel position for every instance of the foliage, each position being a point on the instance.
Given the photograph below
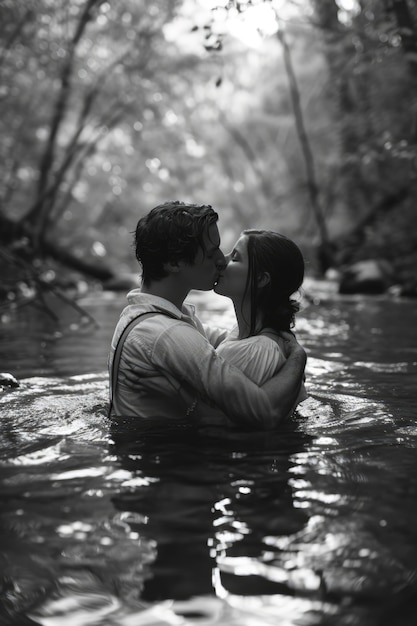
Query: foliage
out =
(109, 108)
(76, 79)
(105, 114)
(374, 91)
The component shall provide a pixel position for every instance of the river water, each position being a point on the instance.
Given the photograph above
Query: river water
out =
(314, 524)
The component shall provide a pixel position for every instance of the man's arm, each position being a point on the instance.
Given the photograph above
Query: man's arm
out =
(283, 388)
(184, 353)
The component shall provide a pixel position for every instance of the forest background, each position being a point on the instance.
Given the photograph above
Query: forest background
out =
(294, 115)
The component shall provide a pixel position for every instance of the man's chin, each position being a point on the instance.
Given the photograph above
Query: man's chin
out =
(208, 288)
(212, 286)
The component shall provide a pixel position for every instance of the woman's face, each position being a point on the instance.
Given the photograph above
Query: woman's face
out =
(232, 281)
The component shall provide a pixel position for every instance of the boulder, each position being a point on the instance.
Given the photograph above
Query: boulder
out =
(8, 380)
(371, 276)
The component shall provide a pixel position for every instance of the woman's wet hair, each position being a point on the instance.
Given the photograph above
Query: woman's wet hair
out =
(170, 233)
(281, 258)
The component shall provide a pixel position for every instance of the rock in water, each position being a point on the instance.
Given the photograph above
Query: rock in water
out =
(8, 380)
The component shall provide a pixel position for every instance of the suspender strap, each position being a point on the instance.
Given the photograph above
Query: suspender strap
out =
(117, 354)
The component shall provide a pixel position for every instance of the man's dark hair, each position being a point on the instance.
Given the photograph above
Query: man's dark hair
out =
(171, 232)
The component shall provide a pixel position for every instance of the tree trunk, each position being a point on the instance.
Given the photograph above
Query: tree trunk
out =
(407, 30)
(100, 272)
(37, 215)
(304, 141)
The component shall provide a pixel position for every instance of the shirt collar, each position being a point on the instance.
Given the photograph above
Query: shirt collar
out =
(136, 297)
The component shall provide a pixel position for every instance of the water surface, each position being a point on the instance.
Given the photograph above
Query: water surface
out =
(312, 524)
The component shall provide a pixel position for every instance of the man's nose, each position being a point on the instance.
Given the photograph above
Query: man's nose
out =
(221, 261)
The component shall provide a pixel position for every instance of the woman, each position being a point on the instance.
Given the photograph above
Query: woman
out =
(263, 270)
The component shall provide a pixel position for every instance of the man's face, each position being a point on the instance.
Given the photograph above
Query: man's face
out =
(203, 273)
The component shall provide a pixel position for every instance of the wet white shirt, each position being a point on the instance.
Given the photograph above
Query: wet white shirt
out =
(259, 357)
(169, 361)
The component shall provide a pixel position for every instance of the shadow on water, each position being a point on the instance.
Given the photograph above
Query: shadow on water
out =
(210, 500)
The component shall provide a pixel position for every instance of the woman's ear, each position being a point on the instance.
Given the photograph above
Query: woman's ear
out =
(171, 267)
(264, 279)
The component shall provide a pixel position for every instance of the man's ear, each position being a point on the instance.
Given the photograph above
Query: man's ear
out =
(172, 267)
(264, 279)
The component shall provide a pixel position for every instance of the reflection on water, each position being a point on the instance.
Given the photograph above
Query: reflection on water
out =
(313, 524)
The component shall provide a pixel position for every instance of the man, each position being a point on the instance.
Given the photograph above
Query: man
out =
(166, 365)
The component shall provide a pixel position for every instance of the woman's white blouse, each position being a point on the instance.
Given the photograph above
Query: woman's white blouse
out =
(259, 357)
